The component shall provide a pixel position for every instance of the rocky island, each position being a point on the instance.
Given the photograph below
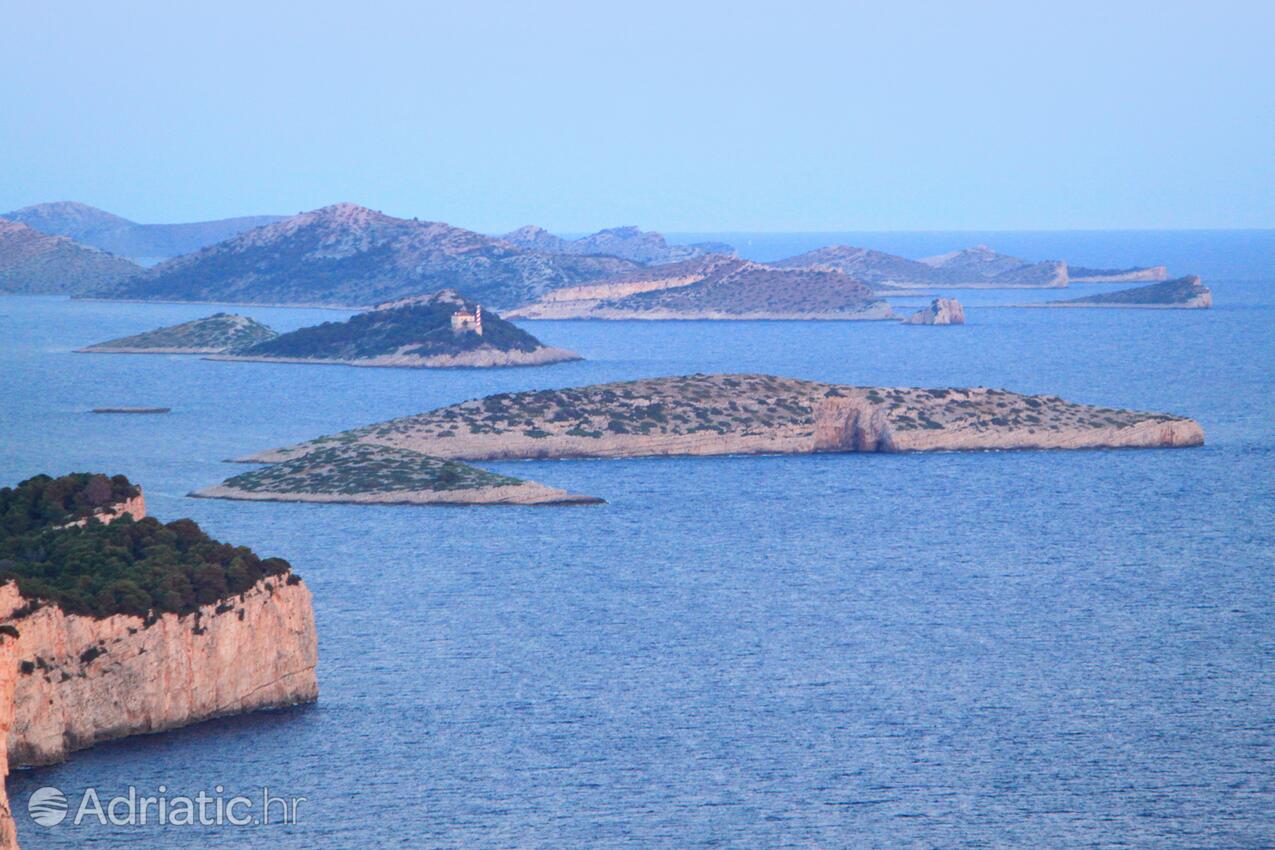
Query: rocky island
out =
(345, 255)
(1183, 293)
(752, 414)
(436, 331)
(114, 624)
(942, 311)
(215, 334)
(714, 287)
(350, 471)
(1130, 274)
(972, 268)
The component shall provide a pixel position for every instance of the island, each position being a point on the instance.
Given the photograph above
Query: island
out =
(942, 311)
(434, 331)
(630, 243)
(114, 624)
(362, 473)
(36, 263)
(714, 287)
(751, 414)
(972, 268)
(1183, 293)
(213, 334)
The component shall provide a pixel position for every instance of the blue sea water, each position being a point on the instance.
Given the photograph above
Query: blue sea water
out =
(1047, 649)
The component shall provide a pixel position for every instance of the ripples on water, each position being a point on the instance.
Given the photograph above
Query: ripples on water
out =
(952, 650)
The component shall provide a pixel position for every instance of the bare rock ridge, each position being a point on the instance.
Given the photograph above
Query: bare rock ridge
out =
(220, 332)
(35, 263)
(1131, 274)
(629, 243)
(143, 242)
(440, 330)
(942, 311)
(714, 287)
(347, 255)
(70, 679)
(1184, 293)
(751, 414)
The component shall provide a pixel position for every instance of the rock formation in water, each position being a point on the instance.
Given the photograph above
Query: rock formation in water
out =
(351, 256)
(714, 287)
(440, 330)
(629, 243)
(753, 414)
(942, 311)
(1185, 293)
(35, 263)
(215, 334)
(141, 653)
(144, 243)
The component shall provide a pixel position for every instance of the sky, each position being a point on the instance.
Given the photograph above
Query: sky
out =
(707, 117)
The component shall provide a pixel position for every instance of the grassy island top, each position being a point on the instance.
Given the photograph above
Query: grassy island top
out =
(142, 567)
(218, 332)
(725, 404)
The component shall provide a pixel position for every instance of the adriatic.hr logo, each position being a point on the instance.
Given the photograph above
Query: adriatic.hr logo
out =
(47, 806)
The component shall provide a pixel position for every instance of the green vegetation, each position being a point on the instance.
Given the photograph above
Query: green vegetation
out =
(141, 567)
(361, 468)
(423, 328)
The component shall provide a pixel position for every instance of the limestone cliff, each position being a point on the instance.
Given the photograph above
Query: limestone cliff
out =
(69, 681)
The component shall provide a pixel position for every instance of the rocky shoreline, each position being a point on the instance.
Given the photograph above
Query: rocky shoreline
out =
(526, 493)
(475, 359)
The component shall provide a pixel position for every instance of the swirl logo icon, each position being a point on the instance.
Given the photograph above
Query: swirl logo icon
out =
(47, 806)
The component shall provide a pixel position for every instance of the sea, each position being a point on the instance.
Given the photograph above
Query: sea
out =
(951, 650)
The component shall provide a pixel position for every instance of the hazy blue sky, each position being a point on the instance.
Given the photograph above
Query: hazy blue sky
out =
(679, 116)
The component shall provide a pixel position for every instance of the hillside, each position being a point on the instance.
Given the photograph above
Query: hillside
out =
(1181, 293)
(34, 263)
(752, 414)
(347, 255)
(978, 267)
(143, 242)
(438, 330)
(715, 287)
(630, 243)
(214, 334)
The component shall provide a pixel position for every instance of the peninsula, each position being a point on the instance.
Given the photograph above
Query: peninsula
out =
(440, 330)
(220, 332)
(752, 414)
(714, 287)
(1183, 293)
(114, 624)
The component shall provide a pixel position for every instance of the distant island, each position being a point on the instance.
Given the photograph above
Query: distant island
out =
(1131, 274)
(978, 267)
(35, 263)
(749, 414)
(1183, 293)
(143, 243)
(714, 287)
(345, 255)
(440, 330)
(215, 334)
(629, 243)
(114, 624)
